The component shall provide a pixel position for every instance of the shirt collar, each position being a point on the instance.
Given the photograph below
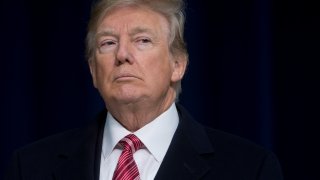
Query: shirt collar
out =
(156, 135)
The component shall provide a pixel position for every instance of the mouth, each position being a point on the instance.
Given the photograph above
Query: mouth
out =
(125, 77)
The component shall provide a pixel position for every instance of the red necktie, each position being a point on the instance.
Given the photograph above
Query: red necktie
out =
(127, 168)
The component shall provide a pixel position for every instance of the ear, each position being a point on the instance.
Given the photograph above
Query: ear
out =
(179, 64)
(92, 66)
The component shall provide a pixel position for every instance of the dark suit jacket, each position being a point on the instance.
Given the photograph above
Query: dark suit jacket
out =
(196, 152)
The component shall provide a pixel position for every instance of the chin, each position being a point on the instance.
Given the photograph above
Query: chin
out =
(128, 97)
(126, 94)
(128, 100)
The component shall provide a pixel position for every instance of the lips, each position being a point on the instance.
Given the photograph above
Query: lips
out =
(125, 76)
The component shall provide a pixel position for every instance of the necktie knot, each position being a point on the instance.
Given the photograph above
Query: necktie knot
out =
(131, 143)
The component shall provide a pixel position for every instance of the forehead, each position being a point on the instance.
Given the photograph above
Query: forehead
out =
(133, 18)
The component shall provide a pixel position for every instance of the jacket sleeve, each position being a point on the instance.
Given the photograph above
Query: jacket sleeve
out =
(270, 169)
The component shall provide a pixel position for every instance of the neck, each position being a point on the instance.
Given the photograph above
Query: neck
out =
(134, 116)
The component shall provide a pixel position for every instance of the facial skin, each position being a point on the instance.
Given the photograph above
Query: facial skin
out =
(134, 69)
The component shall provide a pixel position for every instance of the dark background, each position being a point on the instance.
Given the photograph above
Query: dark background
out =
(253, 72)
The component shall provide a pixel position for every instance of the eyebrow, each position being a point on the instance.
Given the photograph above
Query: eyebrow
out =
(139, 30)
(108, 32)
(134, 31)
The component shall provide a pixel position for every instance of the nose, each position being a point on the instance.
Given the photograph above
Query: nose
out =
(123, 54)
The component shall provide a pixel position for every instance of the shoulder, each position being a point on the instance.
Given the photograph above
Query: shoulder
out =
(224, 142)
(46, 153)
(66, 141)
(243, 156)
(230, 152)
(41, 156)
(60, 141)
(228, 140)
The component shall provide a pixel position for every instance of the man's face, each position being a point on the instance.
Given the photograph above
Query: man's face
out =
(133, 62)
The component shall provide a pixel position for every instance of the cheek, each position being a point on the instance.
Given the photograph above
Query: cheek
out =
(152, 62)
(104, 69)
(161, 71)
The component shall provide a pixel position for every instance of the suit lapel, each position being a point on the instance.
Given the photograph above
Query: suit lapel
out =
(184, 159)
(83, 161)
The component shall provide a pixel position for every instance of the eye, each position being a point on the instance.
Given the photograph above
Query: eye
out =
(107, 45)
(145, 40)
(143, 43)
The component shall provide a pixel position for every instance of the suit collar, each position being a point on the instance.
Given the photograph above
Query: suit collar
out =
(195, 132)
(184, 159)
(82, 161)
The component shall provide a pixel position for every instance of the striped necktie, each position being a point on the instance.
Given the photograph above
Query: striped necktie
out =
(127, 168)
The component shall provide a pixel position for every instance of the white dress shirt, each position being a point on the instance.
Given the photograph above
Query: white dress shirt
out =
(156, 136)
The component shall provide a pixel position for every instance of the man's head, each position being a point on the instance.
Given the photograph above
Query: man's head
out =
(135, 48)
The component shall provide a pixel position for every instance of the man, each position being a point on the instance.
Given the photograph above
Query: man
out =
(137, 58)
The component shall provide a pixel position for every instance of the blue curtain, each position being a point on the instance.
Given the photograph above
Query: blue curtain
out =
(249, 73)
